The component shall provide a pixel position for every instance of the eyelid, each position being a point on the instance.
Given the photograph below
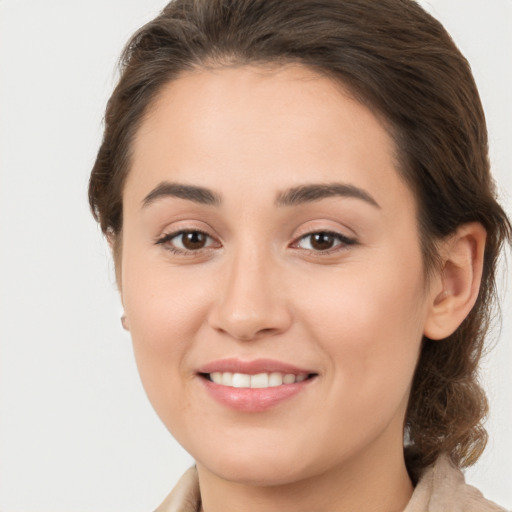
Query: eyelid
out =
(167, 237)
(344, 241)
(160, 239)
(184, 225)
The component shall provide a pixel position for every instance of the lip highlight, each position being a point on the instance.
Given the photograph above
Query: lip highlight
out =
(286, 381)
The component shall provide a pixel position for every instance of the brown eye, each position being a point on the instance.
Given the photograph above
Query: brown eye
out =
(322, 241)
(193, 240)
(187, 241)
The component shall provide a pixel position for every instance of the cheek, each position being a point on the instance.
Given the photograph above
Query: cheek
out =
(370, 327)
(165, 310)
(164, 307)
(363, 305)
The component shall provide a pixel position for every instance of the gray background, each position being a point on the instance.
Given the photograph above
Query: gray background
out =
(76, 431)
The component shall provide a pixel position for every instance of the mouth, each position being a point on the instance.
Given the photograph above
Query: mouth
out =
(255, 381)
(254, 386)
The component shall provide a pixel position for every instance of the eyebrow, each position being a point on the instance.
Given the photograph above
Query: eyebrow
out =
(193, 193)
(291, 197)
(315, 192)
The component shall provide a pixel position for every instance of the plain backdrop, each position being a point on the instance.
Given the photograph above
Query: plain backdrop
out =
(76, 430)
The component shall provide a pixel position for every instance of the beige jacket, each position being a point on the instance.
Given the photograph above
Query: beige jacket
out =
(441, 489)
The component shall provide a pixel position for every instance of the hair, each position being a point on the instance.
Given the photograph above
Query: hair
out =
(401, 63)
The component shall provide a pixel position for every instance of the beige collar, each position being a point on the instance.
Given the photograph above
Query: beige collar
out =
(441, 489)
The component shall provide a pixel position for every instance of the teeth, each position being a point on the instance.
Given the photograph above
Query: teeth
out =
(260, 380)
(241, 380)
(275, 379)
(289, 378)
(216, 377)
(227, 379)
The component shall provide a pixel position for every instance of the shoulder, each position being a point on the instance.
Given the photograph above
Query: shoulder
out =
(442, 488)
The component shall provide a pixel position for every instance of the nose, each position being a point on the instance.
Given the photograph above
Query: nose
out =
(252, 302)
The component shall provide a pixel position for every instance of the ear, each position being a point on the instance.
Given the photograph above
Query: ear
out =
(114, 241)
(456, 286)
(124, 322)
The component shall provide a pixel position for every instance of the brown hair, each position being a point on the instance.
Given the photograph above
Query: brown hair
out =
(402, 64)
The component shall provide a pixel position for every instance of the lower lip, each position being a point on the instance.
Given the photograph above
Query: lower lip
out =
(253, 399)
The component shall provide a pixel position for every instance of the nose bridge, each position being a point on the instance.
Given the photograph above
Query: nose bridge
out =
(251, 300)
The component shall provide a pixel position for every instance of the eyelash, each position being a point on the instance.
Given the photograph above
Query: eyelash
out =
(342, 240)
(176, 250)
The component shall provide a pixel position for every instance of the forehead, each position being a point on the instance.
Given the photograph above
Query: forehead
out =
(255, 126)
(293, 99)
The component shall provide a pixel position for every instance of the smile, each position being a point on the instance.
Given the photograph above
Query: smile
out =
(257, 381)
(254, 386)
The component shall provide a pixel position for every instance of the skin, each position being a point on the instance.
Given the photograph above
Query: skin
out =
(354, 314)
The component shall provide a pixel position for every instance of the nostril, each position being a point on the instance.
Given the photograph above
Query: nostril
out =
(267, 331)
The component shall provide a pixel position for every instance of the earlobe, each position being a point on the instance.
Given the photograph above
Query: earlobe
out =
(458, 281)
(111, 239)
(124, 322)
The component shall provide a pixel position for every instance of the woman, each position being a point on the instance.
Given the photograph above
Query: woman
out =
(305, 231)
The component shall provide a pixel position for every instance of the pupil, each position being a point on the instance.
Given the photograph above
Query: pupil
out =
(322, 241)
(194, 240)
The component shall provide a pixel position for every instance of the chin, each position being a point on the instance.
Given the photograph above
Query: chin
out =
(256, 474)
(261, 468)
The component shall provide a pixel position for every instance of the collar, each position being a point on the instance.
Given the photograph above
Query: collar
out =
(441, 488)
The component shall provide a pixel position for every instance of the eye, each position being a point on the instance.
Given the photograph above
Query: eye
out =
(323, 241)
(187, 241)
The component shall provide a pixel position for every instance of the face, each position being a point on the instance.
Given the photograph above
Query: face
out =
(271, 274)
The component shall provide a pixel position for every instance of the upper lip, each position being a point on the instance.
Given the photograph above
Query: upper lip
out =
(254, 367)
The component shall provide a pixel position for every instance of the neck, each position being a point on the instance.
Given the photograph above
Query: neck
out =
(376, 481)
